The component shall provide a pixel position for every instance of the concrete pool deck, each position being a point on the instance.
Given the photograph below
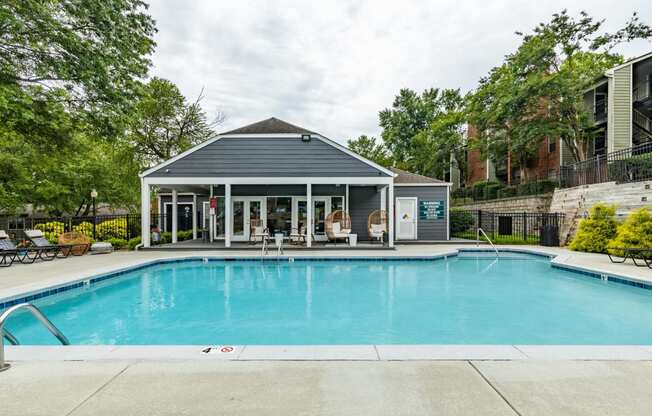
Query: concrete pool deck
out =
(342, 380)
(327, 388)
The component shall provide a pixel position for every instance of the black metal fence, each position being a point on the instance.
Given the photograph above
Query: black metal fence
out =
(626, 165)
(490, 190)
(99, 227)
(507, 227)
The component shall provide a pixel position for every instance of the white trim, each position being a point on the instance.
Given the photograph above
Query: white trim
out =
(448, 215)
(355, 155)
(194, 217)
(266, 135)
(145, 210)
(643, 57)
(175, 216)
(179, 156)
(228, 213)
(390, 214)
(309, 215)
(362, 180)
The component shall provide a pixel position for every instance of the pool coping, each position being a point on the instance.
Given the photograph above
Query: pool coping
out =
(321, 352)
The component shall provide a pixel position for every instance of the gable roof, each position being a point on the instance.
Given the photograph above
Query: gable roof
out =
(270, 126)
(404, 177)
(270, 131)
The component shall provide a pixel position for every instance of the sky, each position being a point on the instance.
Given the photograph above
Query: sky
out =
(331, 66)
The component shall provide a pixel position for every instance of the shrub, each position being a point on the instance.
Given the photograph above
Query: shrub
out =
(461, 220)
(507, 192)
(85, 228)
(166, 237)
(133, 242)
(491, 190)
(184, 235)
(117, 242)
(480, 189)
(51, 230)
(595, 232)
(634, 232)
(116, 228)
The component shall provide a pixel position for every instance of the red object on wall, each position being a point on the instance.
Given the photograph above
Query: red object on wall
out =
(213, 202)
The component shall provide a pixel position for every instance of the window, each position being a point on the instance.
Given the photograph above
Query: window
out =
(552, 145)
(279, 215)
(337, 203)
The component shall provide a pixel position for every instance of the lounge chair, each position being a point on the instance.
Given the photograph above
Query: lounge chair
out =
(10, 252)
(620, 255)
(257, 232)
(377, 225)
(49, 250)
(338, 226)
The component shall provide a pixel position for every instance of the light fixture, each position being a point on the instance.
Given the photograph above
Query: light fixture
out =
(305, 137)
(93, 194)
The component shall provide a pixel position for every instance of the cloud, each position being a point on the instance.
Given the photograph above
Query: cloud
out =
(330, 66)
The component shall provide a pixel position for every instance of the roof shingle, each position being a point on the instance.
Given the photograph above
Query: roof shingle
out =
(407, 177)
(270, 126)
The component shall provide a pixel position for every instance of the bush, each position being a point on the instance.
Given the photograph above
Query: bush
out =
(166, 237)
(635, 232)
(480, 189)
(491, 190)
(85, 228)
(117, 242)
(116, 228)
(595, 232)
(461, 220)
(634, 168)
(133, 242)
(184, 235)
(51, 230)
(507, 192)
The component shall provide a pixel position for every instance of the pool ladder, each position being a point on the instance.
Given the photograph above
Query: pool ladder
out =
(477, 240)
(13, 340)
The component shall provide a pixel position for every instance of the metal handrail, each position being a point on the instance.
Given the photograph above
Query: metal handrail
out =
(38, 315)
(477, 239)
(10, 337)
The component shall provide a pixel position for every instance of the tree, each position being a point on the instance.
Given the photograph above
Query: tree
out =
(423, 131)
(367, 147)
(538, 91)
(165, 124)
(95, 49)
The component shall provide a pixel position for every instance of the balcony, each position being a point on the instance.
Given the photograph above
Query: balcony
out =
(600, 111)
(642, 93)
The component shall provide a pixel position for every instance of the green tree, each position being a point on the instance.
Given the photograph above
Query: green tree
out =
(595, 232)
(366, 146)
(165, 124)
(423, 131)
(538, 91)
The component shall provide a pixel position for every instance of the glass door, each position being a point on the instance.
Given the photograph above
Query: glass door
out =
(246, 209)
(238, 228)
(319, 216)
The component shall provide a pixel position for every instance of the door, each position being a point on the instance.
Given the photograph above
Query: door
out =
(321, 207)
(406, 218)
(184, 216)
(243, 211)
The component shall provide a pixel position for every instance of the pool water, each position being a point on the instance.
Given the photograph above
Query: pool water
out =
(461, 300)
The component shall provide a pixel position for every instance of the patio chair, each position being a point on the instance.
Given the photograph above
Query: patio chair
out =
(49, 250)
(377, 225)
(298, 236)
(257, 232)
(621, 254)
(80, 242)
(338, 226)
(10, 252)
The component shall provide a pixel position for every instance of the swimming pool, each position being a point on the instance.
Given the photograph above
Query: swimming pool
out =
(466, 299)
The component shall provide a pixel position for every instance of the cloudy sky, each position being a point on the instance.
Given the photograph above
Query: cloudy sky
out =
(330, 66)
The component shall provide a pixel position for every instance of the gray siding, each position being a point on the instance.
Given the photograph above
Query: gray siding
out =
(267, 157)
(427, 229)
(362, 201)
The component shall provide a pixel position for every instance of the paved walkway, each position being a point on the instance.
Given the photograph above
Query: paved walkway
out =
(327, 388)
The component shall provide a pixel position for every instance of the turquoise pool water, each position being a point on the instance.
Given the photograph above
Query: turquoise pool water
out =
(462, 300)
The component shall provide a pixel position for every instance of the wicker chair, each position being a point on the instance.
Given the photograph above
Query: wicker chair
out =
(78, 242)
(338, 226)
(377, 225)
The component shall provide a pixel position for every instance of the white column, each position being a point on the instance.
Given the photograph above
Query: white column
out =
(346, 199)
(145, 213)
(309, 215)
(227, 215)
(194, 216)
(383, 199)
(390, 214)
(211, 218)
(175, 206)
(160, 213)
